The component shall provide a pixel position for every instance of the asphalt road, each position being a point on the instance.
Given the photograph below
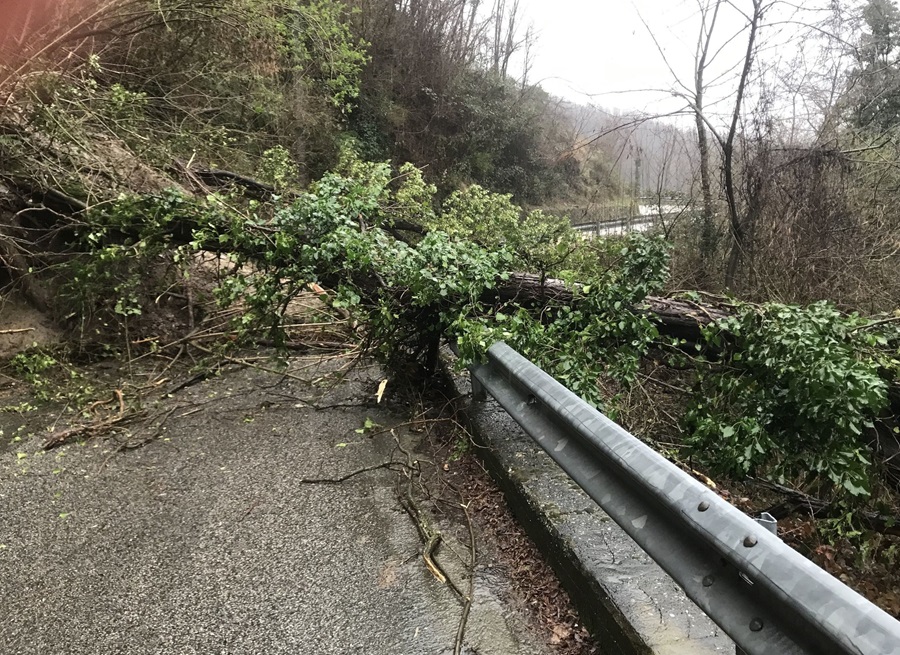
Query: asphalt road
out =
(207, 541)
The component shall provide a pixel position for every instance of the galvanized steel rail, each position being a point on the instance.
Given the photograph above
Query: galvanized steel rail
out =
(767, 597)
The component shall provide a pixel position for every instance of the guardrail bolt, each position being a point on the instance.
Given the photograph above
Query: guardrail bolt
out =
(756, 625)
(749, 541)
(708, 580)
(703, 506)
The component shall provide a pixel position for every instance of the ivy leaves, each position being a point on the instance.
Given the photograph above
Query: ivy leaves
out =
(600, 335)
(791, 396)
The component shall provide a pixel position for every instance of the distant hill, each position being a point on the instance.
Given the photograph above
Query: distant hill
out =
(650, 155)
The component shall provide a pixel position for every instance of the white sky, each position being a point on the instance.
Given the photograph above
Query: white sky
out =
(596, 51)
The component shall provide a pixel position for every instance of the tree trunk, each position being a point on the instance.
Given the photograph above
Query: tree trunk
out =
(682, 319)
(738, 228)
(708, 236)
(707, 216)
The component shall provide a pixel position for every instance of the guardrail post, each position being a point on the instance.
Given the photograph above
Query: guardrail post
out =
(769, 522)
(479, 393)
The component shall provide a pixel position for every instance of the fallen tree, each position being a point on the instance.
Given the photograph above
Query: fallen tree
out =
(773, 387)
(676, 317)
(687, 320)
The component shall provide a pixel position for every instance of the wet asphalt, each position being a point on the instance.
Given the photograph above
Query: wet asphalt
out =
(206, 540)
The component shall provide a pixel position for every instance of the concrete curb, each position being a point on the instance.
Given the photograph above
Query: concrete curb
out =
(627, 602)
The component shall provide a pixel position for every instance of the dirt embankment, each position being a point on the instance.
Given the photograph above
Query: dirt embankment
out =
(22, 327)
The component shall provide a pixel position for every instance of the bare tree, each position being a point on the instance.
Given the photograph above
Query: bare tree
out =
(709, 15)
(738, 225)
(528, 54)
(706, 52)
(505, 42)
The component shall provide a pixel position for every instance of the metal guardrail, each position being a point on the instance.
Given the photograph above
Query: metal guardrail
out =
(767, 597)
(609, 227)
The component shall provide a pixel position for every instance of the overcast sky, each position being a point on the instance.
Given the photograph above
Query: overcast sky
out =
(598, 51)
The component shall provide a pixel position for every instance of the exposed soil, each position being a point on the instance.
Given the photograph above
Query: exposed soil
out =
(22, 326)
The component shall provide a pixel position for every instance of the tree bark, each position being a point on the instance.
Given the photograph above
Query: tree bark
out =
(738, 225)
(707, 216)
(682, 319)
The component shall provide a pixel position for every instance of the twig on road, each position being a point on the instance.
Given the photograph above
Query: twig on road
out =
(344, 478)
(467, 602)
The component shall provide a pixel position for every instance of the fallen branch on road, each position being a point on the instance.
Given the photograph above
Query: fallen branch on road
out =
(89, 430)
(95, 428)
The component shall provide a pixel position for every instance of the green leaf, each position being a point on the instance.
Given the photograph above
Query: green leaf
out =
(856, 488)
(368, 426)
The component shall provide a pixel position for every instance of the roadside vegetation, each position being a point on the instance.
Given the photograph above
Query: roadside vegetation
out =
(176, 177)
